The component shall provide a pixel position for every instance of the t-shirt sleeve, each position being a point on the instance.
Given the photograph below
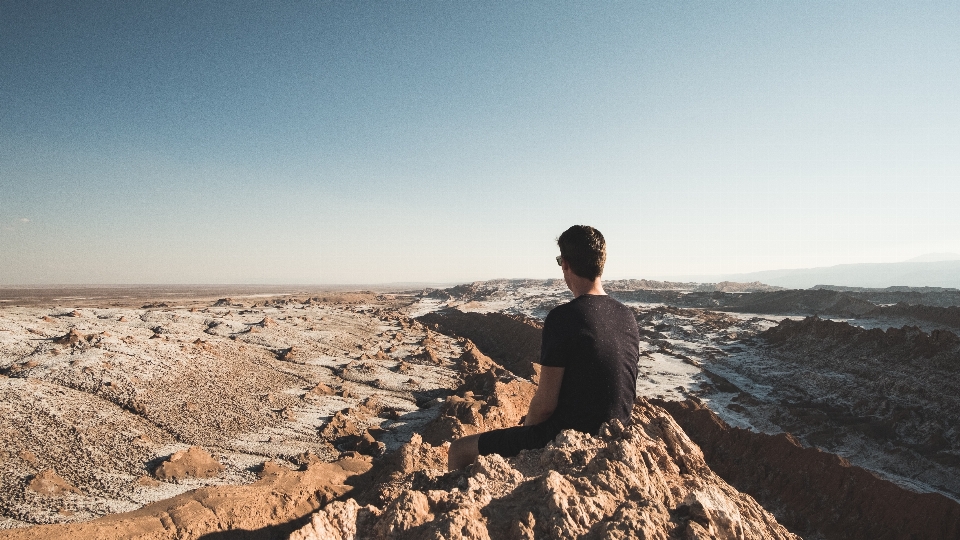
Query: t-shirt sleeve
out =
(554, 351)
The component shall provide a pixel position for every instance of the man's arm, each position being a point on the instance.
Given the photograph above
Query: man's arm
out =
(544, 401)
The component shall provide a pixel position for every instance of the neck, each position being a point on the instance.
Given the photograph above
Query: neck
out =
(580, 286)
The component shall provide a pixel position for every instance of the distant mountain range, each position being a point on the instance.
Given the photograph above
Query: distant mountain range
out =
(933, 257)
(913, 273)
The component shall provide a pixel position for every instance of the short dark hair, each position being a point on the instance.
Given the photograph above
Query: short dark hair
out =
(584, 249)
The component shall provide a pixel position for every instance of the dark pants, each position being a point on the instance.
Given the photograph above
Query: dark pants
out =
(510, 441)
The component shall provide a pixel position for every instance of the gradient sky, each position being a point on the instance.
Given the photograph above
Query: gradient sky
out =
(321, 142)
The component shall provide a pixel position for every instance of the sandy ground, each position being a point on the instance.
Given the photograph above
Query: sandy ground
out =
(101, 396)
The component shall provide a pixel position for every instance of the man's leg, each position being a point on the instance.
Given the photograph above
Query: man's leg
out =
(507, 442)
(462, 452)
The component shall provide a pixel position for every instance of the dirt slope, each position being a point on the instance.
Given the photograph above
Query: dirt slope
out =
(815, 492)
(513, 341)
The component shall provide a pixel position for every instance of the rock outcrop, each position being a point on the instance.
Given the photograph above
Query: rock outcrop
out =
(194, 462)
(647, 480)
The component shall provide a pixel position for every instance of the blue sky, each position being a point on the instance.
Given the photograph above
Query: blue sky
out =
(321, 142)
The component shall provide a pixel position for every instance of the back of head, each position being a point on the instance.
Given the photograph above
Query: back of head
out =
(584, 249)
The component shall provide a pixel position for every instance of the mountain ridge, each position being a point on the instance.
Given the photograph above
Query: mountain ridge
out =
(870, 275)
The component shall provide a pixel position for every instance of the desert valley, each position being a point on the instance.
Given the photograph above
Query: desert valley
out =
(268, 413)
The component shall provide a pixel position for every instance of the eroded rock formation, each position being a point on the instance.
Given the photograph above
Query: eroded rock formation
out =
(815, 492)
(647, 480)
(194, 462)
(490, 397)
(512, 340)
(281, 496)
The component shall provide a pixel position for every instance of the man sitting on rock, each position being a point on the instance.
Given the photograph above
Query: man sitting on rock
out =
(588, 357)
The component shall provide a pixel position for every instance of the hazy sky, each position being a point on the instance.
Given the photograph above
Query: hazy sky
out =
(320, 142)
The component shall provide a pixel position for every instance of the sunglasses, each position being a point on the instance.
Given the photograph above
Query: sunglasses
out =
(559, 260)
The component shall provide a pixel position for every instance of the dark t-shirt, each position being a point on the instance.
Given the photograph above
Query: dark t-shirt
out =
(595, 338)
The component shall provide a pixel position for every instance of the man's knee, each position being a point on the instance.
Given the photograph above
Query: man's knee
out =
(462, 452)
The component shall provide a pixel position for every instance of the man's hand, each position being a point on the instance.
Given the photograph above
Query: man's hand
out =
(544, 401)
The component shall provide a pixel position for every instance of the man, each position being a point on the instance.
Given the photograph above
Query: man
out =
(589, 354)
